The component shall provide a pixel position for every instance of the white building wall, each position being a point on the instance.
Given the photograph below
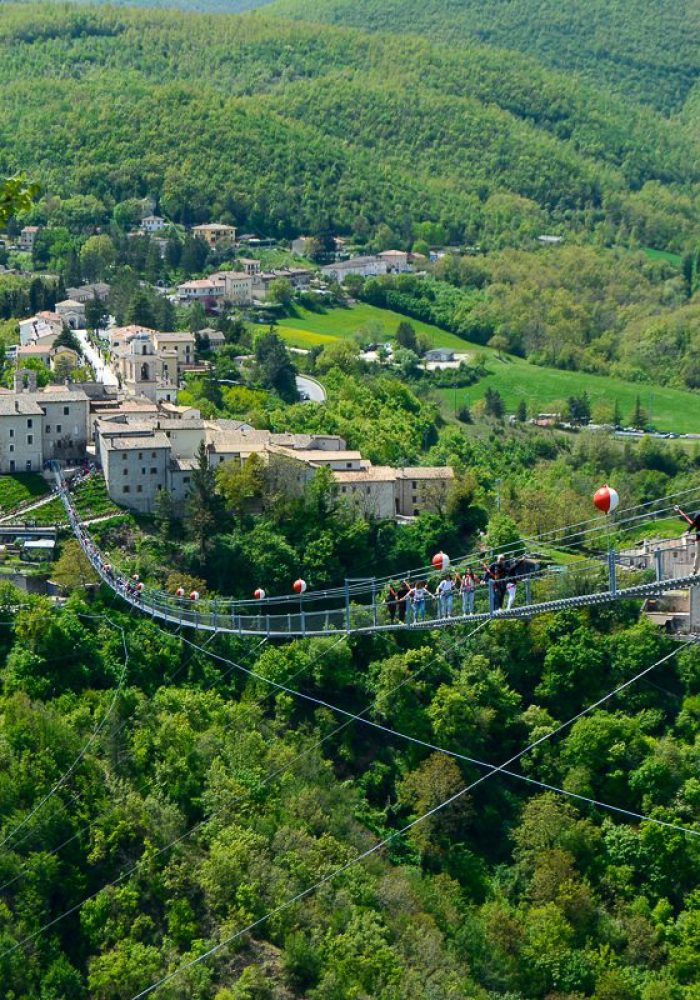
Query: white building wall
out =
(371, 499)
(21, 443)
(135, 477)
(65, 430)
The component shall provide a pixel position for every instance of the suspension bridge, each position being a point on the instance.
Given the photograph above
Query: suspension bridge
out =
(359, 606)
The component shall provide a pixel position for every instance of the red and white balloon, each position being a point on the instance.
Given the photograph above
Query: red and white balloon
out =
(299, 586)
(441, 561)
(194, 595)
(259, 594)
(180, 592)
(606, 499)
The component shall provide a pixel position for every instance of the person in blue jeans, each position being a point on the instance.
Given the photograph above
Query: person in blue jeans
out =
(445, 596)
(420, 596)
(468, 591)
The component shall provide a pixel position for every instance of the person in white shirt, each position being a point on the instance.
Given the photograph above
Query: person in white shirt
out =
(420, 595)
(445, 595)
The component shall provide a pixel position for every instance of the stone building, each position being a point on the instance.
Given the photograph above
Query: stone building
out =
(37, 426)
(216, 234)
(292, 460)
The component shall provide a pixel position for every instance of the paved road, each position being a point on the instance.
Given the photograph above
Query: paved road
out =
(311, 388)
(103, 373)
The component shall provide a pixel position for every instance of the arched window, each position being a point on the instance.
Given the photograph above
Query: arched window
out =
(144, 372)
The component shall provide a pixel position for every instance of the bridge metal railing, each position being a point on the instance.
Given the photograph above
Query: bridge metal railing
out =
(580, 583)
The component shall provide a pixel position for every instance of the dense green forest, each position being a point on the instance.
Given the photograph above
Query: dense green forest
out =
(155, 802)
(647, 50)
(489, 144)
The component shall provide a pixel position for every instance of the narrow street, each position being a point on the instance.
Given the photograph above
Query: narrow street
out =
(103, 373)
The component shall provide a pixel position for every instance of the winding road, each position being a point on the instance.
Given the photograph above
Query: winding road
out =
(311, 388)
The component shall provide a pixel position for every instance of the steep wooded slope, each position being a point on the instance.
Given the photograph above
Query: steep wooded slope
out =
(647, 49)
(285, 125)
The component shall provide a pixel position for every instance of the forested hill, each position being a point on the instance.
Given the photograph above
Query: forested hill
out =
(648, 50)
(278, 124)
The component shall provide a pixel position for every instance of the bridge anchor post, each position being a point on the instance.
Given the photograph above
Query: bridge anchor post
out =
(658, 564)
(612, 570)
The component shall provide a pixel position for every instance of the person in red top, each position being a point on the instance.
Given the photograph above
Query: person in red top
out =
(692, 529)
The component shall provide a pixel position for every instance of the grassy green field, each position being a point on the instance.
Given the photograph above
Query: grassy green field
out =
(672, 258)
(514, 378)
(665, 527)
(21, 488)
(544, 388)
(306, 328)
(91, 500)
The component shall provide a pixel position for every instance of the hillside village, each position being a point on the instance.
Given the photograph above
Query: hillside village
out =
(124, 412)
(128, 418)
(349, 500)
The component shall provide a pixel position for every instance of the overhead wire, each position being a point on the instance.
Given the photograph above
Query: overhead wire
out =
(85, 829)
(81, 754)
(202, 823)
(83, 751)
(363, 855)
(354, 717)
(89, 826)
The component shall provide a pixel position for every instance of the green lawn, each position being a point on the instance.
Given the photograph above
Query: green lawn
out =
(306, 328)
(91, 500)
(544, 388)
(665, 527)
(514, 378)
(21, 488)
(672, 258)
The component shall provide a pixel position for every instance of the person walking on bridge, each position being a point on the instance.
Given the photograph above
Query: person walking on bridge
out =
(693, 528)
(402, 592)
(445, 596)
(467, 589)
(497, 572)
(392, 601)
(420, 596)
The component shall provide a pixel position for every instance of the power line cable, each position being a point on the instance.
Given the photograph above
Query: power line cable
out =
(95, 733)
(202, 823)
(391, 837)
(89, 826)
(434, 747)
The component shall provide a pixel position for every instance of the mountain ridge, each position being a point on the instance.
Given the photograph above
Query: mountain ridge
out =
(454, 128)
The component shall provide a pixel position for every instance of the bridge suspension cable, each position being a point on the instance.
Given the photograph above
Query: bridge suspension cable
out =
(362, 718)
(363, 855)
(225, 615)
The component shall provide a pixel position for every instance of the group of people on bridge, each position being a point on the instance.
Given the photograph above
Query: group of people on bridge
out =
(408, 601)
